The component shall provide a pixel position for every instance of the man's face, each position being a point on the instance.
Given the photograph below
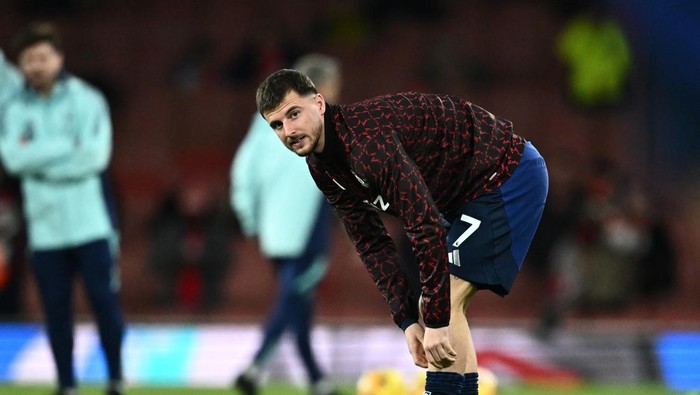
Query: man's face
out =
(298, 122)
(40, 65)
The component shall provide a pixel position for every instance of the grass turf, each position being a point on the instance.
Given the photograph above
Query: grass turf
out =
(281, 389)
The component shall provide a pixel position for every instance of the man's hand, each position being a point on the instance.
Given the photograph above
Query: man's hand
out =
(437, 346)
(414, 338)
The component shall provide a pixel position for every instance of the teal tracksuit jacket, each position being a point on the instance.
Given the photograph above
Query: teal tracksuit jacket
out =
(58, 146)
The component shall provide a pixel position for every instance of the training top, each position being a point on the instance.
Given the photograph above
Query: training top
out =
(59, 145)
(418, 157)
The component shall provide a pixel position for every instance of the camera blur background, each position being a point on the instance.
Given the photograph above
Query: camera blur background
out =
(607, 91)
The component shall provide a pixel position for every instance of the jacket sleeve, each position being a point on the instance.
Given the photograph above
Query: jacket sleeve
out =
(10, 79)
(244, 188)
(24, 153)
(375, 248)
(92, 145)
(387, 166)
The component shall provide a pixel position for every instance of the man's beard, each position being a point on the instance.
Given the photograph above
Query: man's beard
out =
(313, 144)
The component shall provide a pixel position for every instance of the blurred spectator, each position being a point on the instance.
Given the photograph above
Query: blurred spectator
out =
(560, 212)
(340, 25)
(597, 55)
(608, 250)
(266, 52)
(611, 241)
(56, 136)
(657, 271)
(190, 251)
(187, 72)
(549, 258)
(278, 202)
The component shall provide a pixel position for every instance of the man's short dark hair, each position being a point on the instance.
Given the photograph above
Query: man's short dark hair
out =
(276, 86)
(37, 33)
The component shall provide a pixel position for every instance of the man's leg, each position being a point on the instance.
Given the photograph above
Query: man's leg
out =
(310, 271)
(54, 276)
(97, 266)
(461, 293)
(278, 319)
(450, 379)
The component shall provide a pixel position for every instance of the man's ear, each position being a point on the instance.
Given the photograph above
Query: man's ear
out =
(321, 103)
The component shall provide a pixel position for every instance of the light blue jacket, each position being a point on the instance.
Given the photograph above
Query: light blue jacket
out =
(272, 193)
(58, 146)
(10, 79)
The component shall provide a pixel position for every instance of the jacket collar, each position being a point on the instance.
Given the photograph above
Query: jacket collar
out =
(333, 151)
(58, 88)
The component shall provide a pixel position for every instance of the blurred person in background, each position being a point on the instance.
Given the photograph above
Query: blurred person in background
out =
(610, 240)
(598, 58)
(608, 252)
(551, 255)
(56, 136)
(268, 183)
(595, 53)
(190, 248)
(469, 191)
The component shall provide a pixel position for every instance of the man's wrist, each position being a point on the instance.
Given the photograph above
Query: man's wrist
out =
(407, 322)
(437, 325)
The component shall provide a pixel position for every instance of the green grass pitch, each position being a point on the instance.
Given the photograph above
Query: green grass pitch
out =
(281, 389)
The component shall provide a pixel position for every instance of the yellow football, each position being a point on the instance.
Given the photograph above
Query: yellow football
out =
(381, 382)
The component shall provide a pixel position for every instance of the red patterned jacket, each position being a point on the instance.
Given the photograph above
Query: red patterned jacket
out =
(413, 156)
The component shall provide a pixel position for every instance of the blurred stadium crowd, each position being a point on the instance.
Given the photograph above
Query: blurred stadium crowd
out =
(606, 90)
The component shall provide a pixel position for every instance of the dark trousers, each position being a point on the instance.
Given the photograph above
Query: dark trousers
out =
(55, 271)
(298, 279)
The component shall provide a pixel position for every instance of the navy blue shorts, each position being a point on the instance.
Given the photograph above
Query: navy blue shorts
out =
(488, 237)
